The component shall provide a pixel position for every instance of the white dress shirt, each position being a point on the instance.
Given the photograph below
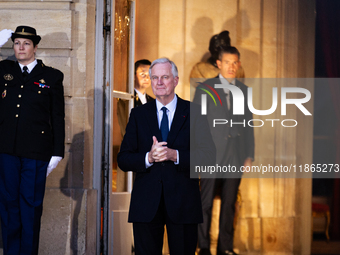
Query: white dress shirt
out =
(142, 97)
(171, 113)
(30, 66)
(226, 90)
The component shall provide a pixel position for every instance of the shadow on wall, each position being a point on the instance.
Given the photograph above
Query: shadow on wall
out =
(202, 31)
(72, 183)
(64, 226)
(201, 41)
(249, 58)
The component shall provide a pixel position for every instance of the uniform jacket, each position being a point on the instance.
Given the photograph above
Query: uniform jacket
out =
(123, 110)
(221, 133)
(181, 193)
(31, 111)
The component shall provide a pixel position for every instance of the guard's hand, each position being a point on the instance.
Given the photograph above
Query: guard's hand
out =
(157, 151)
(5, 34)
(53, 164)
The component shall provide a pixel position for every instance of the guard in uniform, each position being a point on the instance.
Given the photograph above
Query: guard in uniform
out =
(32, 133)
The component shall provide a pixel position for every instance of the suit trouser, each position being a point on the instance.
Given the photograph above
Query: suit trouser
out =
(22, 188)
(148, 236)
(229, 187)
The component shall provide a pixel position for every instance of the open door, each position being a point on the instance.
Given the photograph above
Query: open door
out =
(117, 232)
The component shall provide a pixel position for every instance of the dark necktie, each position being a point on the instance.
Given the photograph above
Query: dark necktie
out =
(164, 124)
(233, 129)
(25, 72)
(231, 103)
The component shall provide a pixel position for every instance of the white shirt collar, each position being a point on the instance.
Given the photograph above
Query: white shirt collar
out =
(142, 97)
(170, 106)
(30, 66)
(225, 81)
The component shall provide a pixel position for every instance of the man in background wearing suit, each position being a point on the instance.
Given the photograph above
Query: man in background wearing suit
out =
(142, 82)
(32, 131)
(157, 147)
(234, 147)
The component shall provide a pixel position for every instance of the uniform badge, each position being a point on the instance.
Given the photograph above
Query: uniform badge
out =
(42, 81)
(4, 94)
(8, 77)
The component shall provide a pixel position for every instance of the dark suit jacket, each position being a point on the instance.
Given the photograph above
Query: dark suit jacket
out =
(31, 115)
(220, 133)
(137, 102)
(123, 110)
(181, 193)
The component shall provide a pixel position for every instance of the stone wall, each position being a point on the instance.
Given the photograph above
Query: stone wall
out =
(67, 29)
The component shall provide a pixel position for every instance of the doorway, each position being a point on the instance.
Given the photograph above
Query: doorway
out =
(118, 55)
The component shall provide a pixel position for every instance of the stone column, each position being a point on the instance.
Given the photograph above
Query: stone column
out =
(275, 215)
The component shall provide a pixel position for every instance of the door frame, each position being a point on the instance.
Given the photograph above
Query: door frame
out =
(102, 130)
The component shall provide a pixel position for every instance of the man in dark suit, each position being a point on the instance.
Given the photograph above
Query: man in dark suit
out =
(157, 147)
(32, 140)
(142, 82)
(234, 143)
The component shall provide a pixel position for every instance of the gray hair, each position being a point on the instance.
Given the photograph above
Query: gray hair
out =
(174, 69)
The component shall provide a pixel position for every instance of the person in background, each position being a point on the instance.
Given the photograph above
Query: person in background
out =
(209, 68)
(32, 131)
(142, 82)
(234, 147)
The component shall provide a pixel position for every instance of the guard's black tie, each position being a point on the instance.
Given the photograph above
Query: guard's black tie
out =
(164, 124)
(25, 72)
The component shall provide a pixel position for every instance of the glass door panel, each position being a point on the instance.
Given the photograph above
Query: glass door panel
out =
(121, 101)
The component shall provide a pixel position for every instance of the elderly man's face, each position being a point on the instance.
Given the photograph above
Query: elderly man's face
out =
(142, 78)
(163, 82)
(24, 50)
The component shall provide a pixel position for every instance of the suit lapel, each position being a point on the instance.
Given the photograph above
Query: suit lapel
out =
(181, 115)
(37, 70)
(152, 120)
(223, 97)
(149, 98)
(137, 101)
(17, 71)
